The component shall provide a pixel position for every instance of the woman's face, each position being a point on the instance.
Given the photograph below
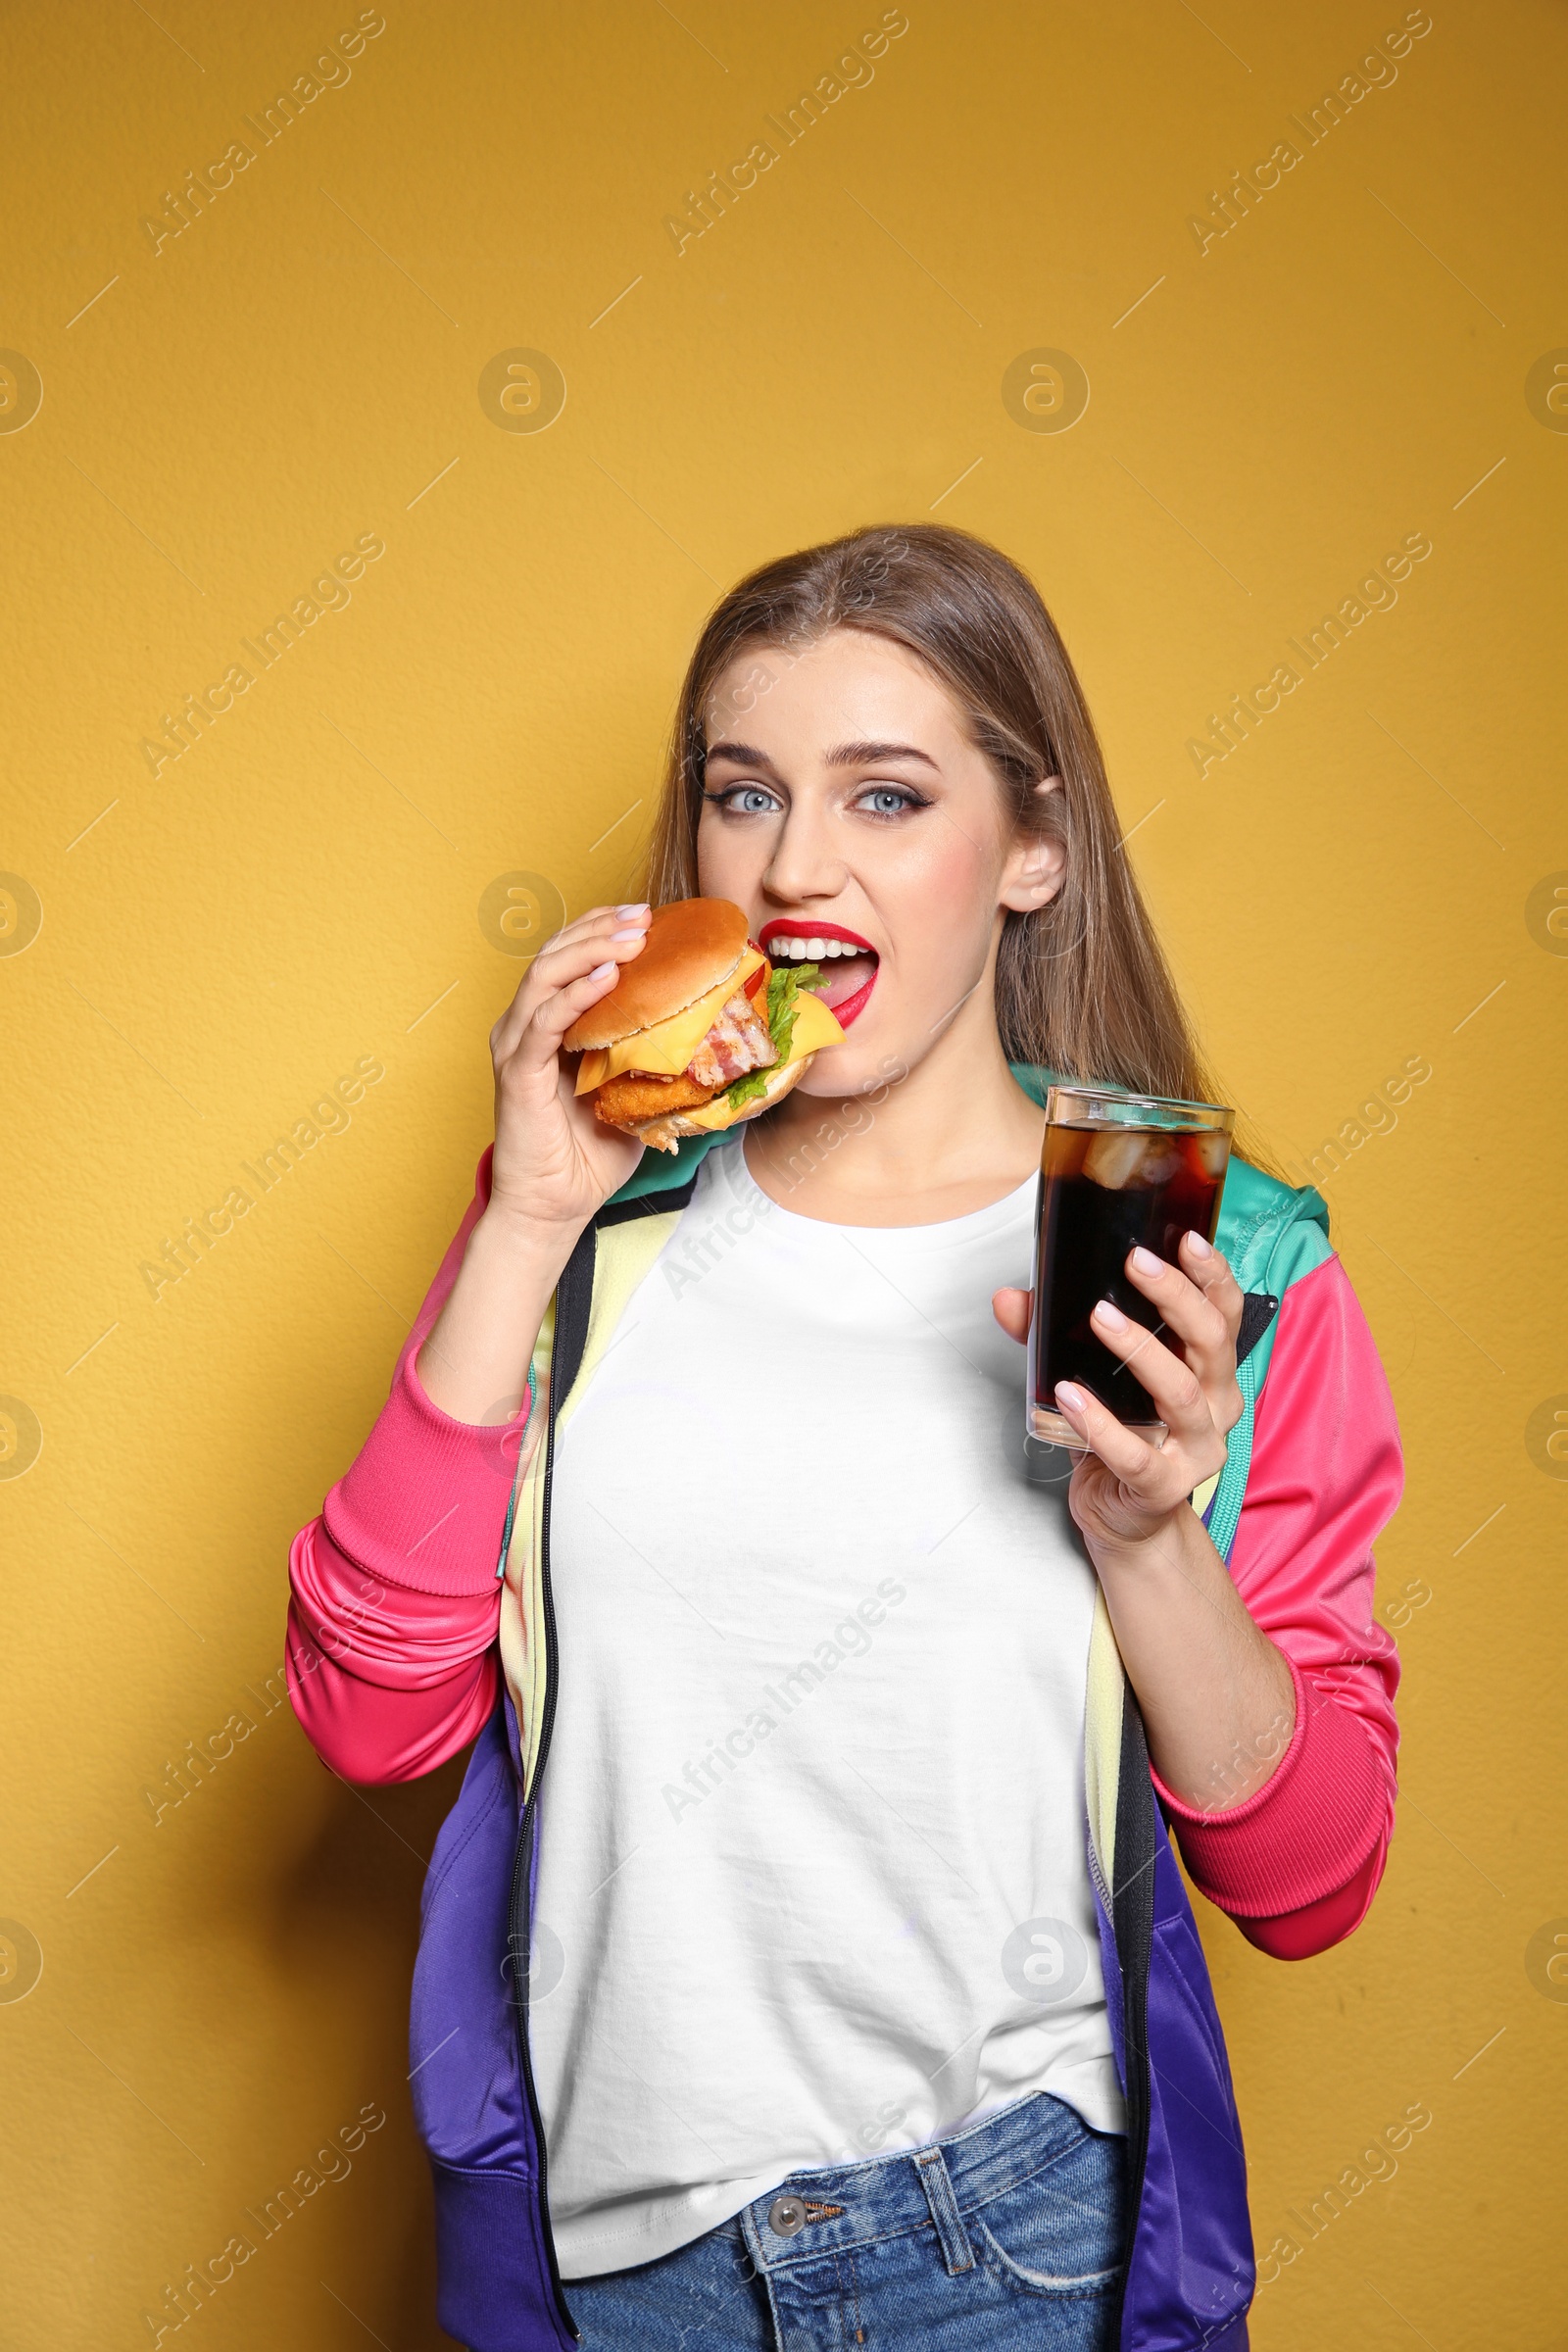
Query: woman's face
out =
(848, 811)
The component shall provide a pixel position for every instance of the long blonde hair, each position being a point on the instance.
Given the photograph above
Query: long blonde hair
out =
(1082, 984)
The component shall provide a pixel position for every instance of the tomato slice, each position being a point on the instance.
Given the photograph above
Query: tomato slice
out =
(757, 980)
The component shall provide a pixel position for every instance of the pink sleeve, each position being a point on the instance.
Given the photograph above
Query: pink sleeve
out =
(1297, 1863)
(391, 1648)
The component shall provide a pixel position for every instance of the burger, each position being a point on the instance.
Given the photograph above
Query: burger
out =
(700, 1030)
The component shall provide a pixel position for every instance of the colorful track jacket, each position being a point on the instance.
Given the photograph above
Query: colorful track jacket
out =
(406, 1642)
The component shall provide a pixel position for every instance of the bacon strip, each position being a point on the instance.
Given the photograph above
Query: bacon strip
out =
(738, 1042)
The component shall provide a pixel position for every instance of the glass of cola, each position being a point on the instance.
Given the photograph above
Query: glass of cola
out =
(1118, 1172)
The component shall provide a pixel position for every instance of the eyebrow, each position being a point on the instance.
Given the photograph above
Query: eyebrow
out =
(845, 754)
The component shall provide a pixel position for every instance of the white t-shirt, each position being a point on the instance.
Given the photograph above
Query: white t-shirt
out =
(811, 1881)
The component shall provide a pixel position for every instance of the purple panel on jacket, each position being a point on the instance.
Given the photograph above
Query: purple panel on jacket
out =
(1191, 2271)
(495, 2289)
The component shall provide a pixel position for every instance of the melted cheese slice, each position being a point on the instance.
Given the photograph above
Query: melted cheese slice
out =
(814, 1028)
(668, 1046)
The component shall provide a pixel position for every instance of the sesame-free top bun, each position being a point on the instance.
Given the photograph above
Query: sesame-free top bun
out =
(692, 946)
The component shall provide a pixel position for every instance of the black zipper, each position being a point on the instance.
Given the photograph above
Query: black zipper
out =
(520, 1981)
(1132, 1919)
(574, 1294)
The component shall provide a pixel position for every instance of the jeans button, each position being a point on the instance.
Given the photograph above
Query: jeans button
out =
(785, 2216)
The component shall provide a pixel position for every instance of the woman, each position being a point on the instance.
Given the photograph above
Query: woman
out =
(838, 1963)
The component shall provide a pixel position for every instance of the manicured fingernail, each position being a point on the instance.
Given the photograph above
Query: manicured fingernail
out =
(1146, 1262)
(1198, 1247)
(636, 906)
(1111, 1316)
(637, 934)
(1072, 1396)
(602, 971)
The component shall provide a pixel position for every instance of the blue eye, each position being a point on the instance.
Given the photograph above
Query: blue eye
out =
(743, 800)
(889, 800)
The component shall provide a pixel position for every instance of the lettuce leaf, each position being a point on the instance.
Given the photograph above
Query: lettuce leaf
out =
(784, 985)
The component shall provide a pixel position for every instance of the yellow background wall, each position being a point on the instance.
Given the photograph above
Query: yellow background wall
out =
(1364, 881)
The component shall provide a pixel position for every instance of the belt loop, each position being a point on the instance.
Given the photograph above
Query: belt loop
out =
(957, 2252)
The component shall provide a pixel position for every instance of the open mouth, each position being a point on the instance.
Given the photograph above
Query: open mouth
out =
(848, 962)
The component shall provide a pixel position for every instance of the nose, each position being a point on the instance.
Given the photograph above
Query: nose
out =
(802, 865)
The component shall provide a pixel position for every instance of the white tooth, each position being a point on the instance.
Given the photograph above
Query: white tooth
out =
(815, 948)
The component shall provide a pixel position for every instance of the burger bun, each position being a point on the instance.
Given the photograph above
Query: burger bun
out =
(692, 945)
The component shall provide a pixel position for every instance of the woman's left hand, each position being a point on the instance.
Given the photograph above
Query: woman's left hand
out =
(1125, 1491)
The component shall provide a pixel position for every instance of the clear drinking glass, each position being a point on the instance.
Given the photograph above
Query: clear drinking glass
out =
(1118, 1171)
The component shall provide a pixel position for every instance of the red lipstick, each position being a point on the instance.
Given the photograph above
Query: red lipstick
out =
(845, 1001)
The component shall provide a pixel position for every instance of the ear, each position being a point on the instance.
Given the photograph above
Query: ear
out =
(1036, 865)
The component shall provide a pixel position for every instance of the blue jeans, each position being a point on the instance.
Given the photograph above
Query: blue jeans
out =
(1007, 2234)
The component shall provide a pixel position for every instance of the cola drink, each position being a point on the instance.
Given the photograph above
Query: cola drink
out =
(1111, 1184)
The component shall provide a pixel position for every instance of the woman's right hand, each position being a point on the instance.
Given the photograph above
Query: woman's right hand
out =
(556, 1163)
(555, 1166)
